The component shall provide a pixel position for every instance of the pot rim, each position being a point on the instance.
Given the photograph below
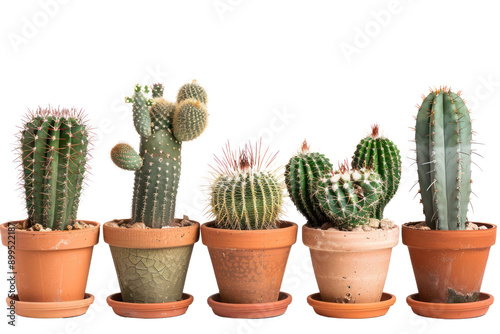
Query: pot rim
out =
(283, 236)
(349, 241)
(152, 238)
(449, 239)
(51, 240)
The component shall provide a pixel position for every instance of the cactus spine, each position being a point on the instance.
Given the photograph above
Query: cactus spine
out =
(348, 196)
(443, 137)
(344, 198)
(157, 166)
(382, 156)
(301, 173)
(54, 145)
(246, 194)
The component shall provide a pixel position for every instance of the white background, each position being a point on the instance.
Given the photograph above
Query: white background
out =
(284, 70)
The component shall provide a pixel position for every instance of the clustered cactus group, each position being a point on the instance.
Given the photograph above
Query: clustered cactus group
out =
(163, 126)
(443, 136)
(54, 145)
(246, 193)
(347, 197)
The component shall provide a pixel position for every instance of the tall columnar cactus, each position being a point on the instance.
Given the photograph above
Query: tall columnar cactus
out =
(443, 137)
(382, 156)
(163, 126)
(301, 174)
(246, 194)
(54, 145)
(348, 196)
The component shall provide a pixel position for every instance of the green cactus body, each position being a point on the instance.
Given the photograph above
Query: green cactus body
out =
(189, 120)
(243, 197)
(301, 173)
(443, 136)
(247, 201)
(142, 120)
(192, 91)
(382, 156)
(158, 164)
(348, 197)
(53, 150)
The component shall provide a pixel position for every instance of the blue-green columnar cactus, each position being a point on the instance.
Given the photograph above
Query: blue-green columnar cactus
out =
(443, 137)
(382, 156)
(163, 126)
(301, 174)
(246, 194)
(54, 145)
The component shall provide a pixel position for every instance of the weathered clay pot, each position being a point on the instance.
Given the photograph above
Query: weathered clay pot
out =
(151, 264)
(249, 264)
(149, 310)
(51, 266)
(449, 265)
(350, 267)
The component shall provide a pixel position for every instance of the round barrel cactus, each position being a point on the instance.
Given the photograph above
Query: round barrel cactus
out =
(246, 194)
(301, 174)
(382, 156)
(348, 196)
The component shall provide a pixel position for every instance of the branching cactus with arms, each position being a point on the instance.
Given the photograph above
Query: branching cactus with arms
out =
(163, 126)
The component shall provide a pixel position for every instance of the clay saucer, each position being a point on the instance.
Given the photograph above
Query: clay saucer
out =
(250, 311)
(351, 311)
(450, 310)
(149, 310)
(51, 309)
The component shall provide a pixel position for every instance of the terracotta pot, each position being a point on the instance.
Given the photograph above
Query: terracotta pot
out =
(249, 264)
(350, 267)
(451, 310)
(250, 311)
(449, 265)
(350, 310)
(66, 309)
(151, 310)
(52, 266)
(151, 264)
